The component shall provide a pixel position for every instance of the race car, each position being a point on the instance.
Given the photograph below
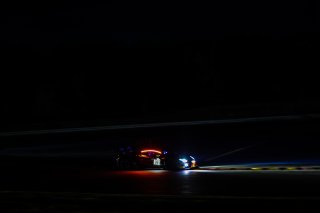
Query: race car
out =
(144, 158)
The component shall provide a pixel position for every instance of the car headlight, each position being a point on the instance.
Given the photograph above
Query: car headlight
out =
(183, 160)
(193, 160)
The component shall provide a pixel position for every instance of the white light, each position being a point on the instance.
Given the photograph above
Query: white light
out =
(186, 165)
(192, 157)
(183, 160)
(186, 172)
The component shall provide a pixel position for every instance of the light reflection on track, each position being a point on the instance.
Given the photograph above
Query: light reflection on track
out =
(159, 182)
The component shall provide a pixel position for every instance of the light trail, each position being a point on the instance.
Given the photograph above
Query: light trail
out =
(156, 125)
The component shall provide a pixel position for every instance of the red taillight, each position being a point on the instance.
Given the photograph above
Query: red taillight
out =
(151, 150)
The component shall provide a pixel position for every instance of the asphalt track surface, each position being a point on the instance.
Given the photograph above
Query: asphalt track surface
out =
(162, 182)
(120, 191)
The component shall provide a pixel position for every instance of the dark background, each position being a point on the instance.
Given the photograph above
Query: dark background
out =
(82, 63)
(108, 64)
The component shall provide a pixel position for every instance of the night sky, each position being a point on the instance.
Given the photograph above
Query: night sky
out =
(79, 63)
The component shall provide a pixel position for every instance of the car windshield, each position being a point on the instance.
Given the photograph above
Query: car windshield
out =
(126, 105)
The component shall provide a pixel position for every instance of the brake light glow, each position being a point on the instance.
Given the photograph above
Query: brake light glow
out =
(151, 150)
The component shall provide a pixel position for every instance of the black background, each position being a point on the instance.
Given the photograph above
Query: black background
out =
(72, 63)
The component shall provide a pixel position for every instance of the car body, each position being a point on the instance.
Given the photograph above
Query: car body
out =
(153, 158)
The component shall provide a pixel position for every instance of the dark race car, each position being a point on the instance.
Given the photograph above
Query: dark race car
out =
(153, 158)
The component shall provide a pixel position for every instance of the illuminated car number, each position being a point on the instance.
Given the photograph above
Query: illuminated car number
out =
(156, 162)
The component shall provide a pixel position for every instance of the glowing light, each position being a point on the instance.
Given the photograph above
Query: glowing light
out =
(291, 168)
(193, 161)
(186, 172)
(186, 165)
(151, 150)
(256, 168)
(183, 160)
